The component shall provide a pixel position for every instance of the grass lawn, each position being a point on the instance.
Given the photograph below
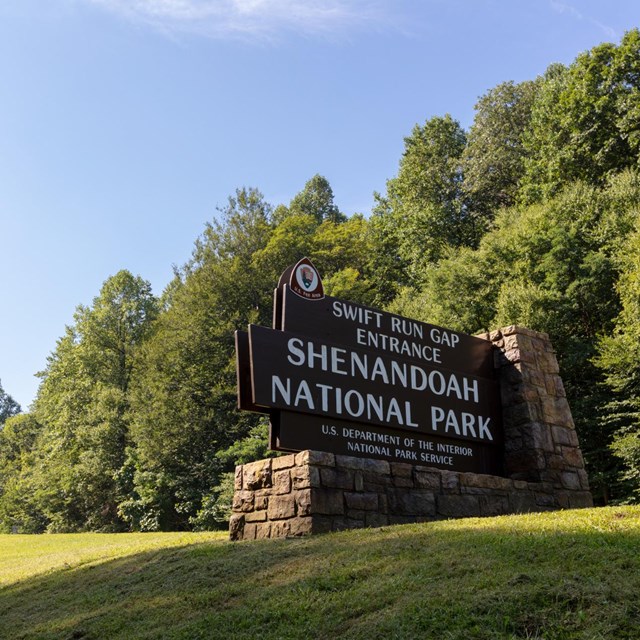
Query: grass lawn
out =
(562, 575)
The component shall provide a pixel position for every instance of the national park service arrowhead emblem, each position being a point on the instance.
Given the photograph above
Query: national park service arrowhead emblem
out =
(305, 281)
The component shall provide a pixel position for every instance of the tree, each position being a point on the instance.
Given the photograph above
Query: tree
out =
(584, 122)
(619, 358)
(83, 405)
(19, 511)
(184, 390)
(424, 210)
(8, 406)
(551, 267)
(316, 199)
(493, 160)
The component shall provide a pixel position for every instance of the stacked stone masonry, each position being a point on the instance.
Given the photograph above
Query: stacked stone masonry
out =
(315, 492)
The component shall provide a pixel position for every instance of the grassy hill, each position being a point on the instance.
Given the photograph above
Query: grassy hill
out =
(564, 575)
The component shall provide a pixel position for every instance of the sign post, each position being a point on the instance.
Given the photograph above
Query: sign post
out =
(395, 420)
(344, 378)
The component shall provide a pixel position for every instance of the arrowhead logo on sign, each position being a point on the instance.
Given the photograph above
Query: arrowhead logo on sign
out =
(305, 281)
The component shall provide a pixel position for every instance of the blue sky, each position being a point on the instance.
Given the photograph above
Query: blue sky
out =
(125, 123)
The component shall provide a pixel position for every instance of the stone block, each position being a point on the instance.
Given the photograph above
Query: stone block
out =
(263, 531)
(450, 482)
(427, 480)
(362, 501)
(358, 481)
(540, 344)
(282, 481)
(584, 479)
(336, 478)
(281, 507)
(411, 503)
(493, 505)
(525, 464)
(395, 519)
(283, 462)
(556, 411)
(518, 415)
(485, 482)
(291, 527)
(510, 376)
(537, 436)
(380, 480)
(260, 502)
(324, 524)
(573, 457)
(512, 355)
(349, 462)
(510, 341)
(236, 526)
(570, 480)
(545, 499)
(257, 475)
(462, 506)
(513, 444)
(243, 501)
(401, 469)
(406, 483)
(256, 516)
(249, 532)
(303, 502)
(237, 480)
(342, 524)
(547, 362)
(379, 467)
(303, 477)
(533, 377)
(562, 435)
(320, 458)
(327, 501)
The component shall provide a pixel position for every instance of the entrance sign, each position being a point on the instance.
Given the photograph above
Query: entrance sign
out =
(344, 378)
(366, 440)
(359, 326)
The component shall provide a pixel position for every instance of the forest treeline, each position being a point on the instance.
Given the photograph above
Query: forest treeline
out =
(529, 217)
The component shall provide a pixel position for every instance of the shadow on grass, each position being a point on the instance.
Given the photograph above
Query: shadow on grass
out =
(415, 581)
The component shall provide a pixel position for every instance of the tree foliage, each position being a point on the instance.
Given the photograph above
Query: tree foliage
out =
(83, 405)
(530, 217)
(584, 124)
(493, 160)
(8, 406)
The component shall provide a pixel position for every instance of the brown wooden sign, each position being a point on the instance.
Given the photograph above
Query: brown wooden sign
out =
(345, 378)
(291, 433)
(310, 376)
(358, 326)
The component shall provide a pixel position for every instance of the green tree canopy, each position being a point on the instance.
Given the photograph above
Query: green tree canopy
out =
(8, 406)
(585, 123)
(83, 405)
(424, 211)
(493, 160)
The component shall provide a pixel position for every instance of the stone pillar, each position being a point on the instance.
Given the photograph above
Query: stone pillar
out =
(315, 492)
(541, 444)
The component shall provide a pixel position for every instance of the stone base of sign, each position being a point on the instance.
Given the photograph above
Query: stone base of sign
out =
(315, 492)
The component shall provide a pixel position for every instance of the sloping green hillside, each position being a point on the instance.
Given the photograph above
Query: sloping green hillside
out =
(573, 574)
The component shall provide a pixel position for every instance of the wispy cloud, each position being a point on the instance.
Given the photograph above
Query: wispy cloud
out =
(262, 19)
(562, 7)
